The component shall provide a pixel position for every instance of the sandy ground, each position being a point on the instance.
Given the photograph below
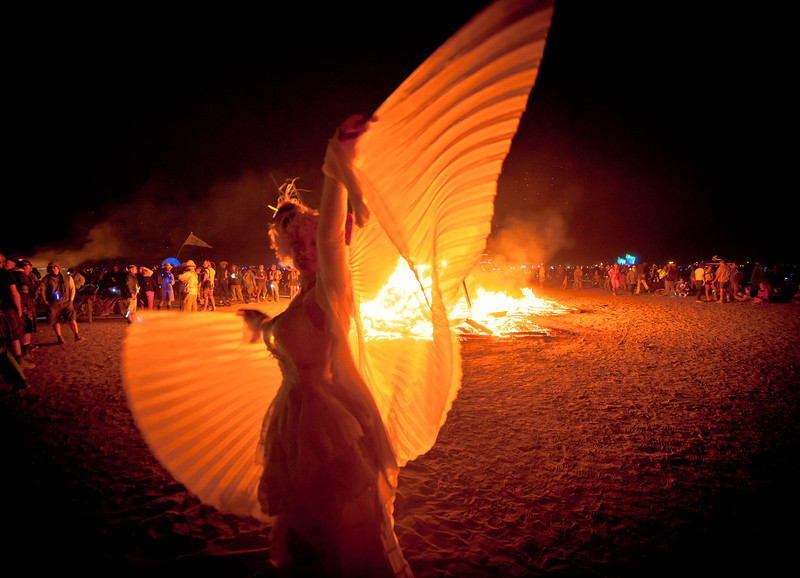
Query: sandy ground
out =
(646, 436)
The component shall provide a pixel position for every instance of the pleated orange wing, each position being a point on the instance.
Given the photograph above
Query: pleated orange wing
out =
(429, 167)
(428, 170)
(198, 393)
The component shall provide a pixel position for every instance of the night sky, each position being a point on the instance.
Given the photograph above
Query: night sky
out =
(655, 128)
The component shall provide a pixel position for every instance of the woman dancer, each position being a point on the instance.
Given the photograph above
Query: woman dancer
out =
(347, 407)
(329, 470)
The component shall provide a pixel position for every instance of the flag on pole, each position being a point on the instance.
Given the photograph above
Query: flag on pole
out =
(193, 239)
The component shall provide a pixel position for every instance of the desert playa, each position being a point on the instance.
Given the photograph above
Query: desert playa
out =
(642, 436)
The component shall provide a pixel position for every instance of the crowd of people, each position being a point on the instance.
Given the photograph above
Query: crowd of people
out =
(28, 295)
(25, 290)
(717, 280)
(186, 286)
(22, 290)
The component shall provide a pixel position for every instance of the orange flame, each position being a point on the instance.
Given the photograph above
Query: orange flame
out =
(399, 310)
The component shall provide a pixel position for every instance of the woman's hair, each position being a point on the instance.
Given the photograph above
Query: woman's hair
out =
(292, 221)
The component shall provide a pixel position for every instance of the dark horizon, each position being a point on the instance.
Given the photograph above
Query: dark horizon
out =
(649, 131)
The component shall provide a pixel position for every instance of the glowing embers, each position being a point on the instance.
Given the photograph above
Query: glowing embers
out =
(500, 314)
(400, 311)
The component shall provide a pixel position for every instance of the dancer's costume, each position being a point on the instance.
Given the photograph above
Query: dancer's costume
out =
(322, 466)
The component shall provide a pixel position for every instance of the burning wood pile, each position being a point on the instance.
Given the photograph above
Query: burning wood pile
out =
(396, 312)
(501, 314)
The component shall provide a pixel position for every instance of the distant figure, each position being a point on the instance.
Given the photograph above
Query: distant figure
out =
(191, 286)
(207, 282)
(756, 277)
(641, 280)
(261, 283)
(166, 282)
(631, 279)
(763, 293)
(234, 284)
(11, 326)
(148, 288)
(615, 278)
(129, 291)
(293, 281)
(733, 285)
(29, 288)
(274, 283)
(698, 275)
(671, 278)
(248, 284)
(721, 280)
(59, 293)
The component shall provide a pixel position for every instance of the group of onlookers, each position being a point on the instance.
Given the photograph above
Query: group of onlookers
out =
(717, 280)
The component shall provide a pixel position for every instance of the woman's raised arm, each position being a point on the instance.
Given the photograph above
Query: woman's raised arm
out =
(339, 184)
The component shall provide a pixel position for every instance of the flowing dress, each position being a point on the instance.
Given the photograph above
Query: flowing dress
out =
(329, 471)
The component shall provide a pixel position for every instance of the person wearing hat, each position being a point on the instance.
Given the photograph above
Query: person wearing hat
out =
(149, 287)
(130, 292)
(59, 293)
(166, 280)
(191, 286)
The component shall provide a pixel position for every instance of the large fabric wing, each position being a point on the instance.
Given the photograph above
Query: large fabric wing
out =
(199, 391)
(428, 171)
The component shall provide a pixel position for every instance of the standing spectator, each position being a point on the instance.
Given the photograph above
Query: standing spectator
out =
(293, 281)
(274, 281)
(28, 287)
(641, 280)
(234, 284)
(129, 291)
(59, 293)
(11, 315)
(542, 273)
(736, 278)
(208, 280)
(166, 283)
(191, 286)
(77, 278)
(699, 275)
(654, 277)
(562, 276)
(577, 276)
(248, 284)
(111, 282)
(261, 283)
(615, 278)
(709, 283)
(721, 280)
(671, 279)
(631, 279)
(148, 288)
(221, 284)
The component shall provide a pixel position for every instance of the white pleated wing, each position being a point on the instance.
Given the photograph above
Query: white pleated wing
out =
(428, 170)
